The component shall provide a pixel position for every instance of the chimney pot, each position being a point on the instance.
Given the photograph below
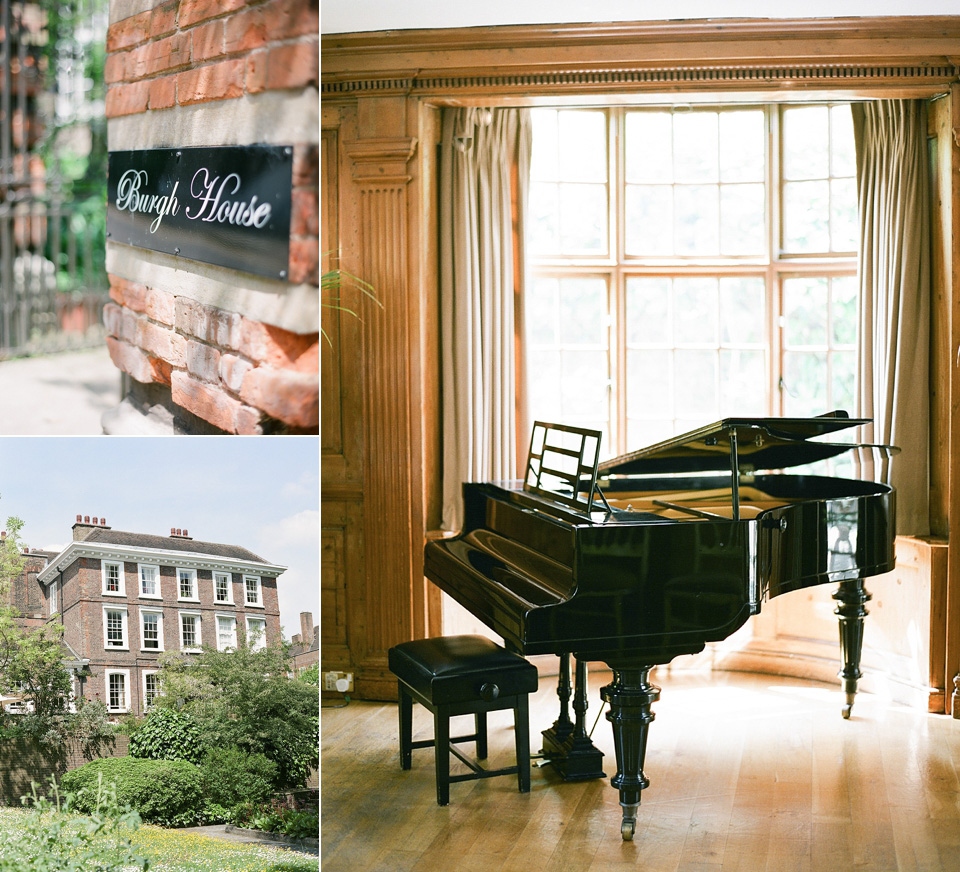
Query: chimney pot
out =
(86, 519)
(79, 518)
(185, 533)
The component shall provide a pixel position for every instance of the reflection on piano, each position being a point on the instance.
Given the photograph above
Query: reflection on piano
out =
(651, 555)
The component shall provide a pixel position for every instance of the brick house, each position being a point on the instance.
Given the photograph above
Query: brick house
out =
(126, 598)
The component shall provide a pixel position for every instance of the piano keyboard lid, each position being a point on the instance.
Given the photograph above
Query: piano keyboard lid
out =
(749, 443)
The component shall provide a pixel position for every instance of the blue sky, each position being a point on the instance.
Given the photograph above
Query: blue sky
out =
(262, 493)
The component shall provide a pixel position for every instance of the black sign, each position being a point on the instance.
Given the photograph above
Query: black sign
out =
(228, 205)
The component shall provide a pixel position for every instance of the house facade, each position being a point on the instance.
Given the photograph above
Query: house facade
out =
(126, 598)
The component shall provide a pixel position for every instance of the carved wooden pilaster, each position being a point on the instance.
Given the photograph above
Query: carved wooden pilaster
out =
(393, 550)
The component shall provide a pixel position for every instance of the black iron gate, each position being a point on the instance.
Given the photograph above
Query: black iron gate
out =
(52, 175)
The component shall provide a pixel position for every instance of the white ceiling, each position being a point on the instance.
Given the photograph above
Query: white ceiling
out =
(348, 16)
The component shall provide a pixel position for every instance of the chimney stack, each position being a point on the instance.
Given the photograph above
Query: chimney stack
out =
(306, 626)
(85, 525)
(177, 533)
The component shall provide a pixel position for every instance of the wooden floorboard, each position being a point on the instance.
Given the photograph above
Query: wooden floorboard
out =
(748, 773)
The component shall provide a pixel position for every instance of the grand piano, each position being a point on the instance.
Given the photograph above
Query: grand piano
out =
(640, 559)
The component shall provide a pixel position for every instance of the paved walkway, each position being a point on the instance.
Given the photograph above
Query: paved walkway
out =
(249, 837)
(60, 394)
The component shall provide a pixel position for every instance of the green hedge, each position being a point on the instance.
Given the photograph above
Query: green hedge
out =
(168, 792)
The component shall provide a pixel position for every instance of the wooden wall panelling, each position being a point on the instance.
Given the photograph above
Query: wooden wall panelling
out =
(392, 496)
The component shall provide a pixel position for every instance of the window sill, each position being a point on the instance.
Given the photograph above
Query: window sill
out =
(151, 650)
(188, 599)
(153, 596)
(118, 593)
(254, 605)
(116, 647)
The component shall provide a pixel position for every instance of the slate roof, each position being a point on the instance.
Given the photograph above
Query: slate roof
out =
(167, 543)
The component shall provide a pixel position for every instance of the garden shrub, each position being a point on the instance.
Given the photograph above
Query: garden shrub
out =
(167, 792)
(232, 776)
(167, 734)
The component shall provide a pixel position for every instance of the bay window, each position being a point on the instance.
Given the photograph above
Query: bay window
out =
(689, 264)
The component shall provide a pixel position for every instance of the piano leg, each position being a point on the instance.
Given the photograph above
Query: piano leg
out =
(630, 697)
(851, 597)
(567, 745)
(562, 726)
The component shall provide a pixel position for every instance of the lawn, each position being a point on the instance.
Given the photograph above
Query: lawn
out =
(170, 851)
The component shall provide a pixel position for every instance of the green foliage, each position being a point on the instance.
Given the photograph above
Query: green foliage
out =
(31, 661)
(167, 734)
(232, 776)
(245, 699)
(310, 675)
(54, 839)
(167, 792)
(297, 824)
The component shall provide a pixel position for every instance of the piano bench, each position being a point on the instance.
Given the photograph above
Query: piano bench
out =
(460, 675)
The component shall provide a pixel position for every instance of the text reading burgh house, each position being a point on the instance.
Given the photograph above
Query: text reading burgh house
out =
(125, 598)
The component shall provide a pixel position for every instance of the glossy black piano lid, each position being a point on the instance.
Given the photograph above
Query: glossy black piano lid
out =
(762, 443)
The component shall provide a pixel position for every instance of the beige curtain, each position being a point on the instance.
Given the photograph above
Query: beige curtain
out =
(478, 150)
(894, 275)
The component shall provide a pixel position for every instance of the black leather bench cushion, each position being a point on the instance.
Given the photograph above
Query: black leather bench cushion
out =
(454, 669)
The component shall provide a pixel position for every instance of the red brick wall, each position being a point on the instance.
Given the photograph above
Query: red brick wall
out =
(237, 373)
(23, 761)
(83, 604)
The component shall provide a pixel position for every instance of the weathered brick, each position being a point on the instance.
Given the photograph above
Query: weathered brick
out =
(304, 260)
(135, 363)
(162, 343)
(233, 369)
(273, 345)
(203, 361)
(163, 18)
(194, 11)
(291, 18)
(158, 305)
(217, 81)
(296, 65)
(114, 67)
(168, 53)
(245, 31)
(305, 217)
(207, 41)
(256, 76)
(128, 32)
(291, 397)
(209, 402)
(306, 165)
(127, 99)
(163, 92)
(208, 323)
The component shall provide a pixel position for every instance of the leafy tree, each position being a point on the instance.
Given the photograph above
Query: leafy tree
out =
(245, 699)
(31, 661)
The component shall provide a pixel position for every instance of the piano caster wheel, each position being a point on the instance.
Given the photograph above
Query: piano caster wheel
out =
(846, 709)
(629, 824)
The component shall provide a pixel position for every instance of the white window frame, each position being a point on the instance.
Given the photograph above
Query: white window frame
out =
(156, 568)
(227, 617)
(125, 630)
(259, 588)
(147, 704)
(103, 578)
(54, 596)
(229, 600)
(261, 642)
(196, 593)
(198, 616)
(143, 640)
(126, 690)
